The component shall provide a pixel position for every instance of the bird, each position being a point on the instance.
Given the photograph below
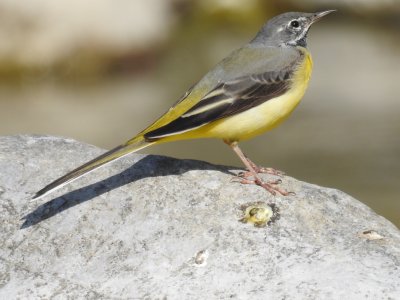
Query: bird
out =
(249, 92)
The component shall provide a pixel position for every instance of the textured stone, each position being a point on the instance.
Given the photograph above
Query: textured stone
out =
(152, 227)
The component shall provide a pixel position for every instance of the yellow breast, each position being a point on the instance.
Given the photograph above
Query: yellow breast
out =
(267, 115)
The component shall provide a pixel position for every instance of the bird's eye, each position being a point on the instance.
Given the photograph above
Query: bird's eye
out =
(295, 24)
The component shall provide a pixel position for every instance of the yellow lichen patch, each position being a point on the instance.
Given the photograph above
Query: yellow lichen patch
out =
(259, 214)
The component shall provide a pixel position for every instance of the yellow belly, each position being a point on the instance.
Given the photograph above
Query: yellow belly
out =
(259, 119)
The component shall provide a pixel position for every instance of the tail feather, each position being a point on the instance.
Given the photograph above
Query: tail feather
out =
(132, 145)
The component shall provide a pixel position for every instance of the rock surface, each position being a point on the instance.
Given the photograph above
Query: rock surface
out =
(151, 227)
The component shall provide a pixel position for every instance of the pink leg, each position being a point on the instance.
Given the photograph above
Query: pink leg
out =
(269, 186)
(259, 169)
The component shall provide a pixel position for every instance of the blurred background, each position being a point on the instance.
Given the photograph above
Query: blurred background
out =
(99, 71)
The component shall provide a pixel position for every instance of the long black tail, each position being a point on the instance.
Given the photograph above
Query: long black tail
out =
(132, 145)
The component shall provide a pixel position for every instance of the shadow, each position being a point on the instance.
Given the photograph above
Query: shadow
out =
(149, 166)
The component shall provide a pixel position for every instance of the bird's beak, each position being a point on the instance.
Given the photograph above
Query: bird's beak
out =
(319, 15)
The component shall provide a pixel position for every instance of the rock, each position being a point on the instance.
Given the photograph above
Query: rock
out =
(152, 227)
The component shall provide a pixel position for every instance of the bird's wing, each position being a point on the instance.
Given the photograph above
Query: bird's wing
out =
(227, 99)
(240, 63)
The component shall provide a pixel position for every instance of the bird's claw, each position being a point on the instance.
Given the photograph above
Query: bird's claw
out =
(262, 170)
(270, 186)
(270, 171)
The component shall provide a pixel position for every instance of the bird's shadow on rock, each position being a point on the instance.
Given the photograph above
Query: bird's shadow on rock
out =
(149, 166)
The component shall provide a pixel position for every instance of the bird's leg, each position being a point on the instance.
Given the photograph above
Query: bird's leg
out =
(259, 169)
(269, 186)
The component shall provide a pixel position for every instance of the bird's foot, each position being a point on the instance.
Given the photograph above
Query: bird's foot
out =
(254, 170)
(264, 170)
(271, 186)
(261, 170)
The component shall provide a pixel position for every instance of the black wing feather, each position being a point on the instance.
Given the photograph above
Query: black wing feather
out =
(228, 99)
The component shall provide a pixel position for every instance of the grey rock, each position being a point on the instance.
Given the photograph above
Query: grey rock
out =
(152, 227)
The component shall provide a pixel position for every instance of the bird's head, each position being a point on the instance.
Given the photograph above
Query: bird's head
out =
(288, 29)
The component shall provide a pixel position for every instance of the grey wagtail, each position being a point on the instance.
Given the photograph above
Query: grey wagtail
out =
(249, 92)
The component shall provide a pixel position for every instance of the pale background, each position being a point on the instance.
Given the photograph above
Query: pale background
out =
(99, 71)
